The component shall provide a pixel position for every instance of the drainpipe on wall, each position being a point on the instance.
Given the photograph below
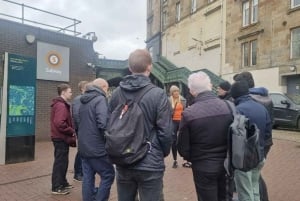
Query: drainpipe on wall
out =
(222, 38)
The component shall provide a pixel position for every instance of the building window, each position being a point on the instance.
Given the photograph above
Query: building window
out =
(253, 51)
(254, 11)
(295, 3)
(150, 5)
(250, 12)
(249, 53)
(177, 11)
(295, 43)
(193, 6)
(151, 51)
(150, 28)
(164, 19)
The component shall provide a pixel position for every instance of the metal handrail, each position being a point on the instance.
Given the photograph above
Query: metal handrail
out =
(74, 21)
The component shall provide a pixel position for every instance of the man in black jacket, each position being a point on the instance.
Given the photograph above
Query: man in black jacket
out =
(145, 177)
(202, 138)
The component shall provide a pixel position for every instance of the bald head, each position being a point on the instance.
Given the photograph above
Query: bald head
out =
(101, 83)
(140, 61)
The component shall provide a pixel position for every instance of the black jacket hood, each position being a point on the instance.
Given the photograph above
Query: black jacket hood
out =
(134, 82)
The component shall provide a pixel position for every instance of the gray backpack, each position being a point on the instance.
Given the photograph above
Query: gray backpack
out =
(243, 143)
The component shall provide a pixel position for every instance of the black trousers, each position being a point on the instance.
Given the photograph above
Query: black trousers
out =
(174, 144)
(60, 165)
(210, 186)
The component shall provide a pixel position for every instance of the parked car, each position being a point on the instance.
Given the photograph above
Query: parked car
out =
(286, 110)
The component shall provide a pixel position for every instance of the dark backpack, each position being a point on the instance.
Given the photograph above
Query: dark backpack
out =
(243, 143)
(126, 140)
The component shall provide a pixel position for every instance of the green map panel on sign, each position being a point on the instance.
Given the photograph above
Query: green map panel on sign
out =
(21, 100)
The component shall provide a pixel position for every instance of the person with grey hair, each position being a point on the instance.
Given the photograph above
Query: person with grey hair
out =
(202, 138)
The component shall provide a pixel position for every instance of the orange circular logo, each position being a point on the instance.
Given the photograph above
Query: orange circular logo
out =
(53, 59)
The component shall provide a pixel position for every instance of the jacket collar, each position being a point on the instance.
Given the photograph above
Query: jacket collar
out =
(205, 96)
(242, 99)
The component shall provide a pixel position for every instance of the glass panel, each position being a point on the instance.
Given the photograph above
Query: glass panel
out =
(295, 3)
(253, 52)
(254, 11)
(245, 54)
(164, 19)
(193, 9)
(295, 43)
(246, 13)
(276, 99)
(178, 12)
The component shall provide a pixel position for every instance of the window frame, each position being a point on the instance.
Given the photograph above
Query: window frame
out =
(164, 19)
(294, 5)
(292, 56)
(246, 13)
(249, 12)
(249, 54)
(177, 15)
(254, 7)
(150, 5)
(193, 6)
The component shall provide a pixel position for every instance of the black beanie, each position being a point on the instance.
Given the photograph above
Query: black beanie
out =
(247, 76)
(239, 88)
(225, 86)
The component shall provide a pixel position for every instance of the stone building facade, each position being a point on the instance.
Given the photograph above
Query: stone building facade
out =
(192, 32)
(227, 37)
(263, 36)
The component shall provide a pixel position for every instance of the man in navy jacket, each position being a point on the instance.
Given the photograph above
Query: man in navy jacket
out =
(247, 183)
(93, 114)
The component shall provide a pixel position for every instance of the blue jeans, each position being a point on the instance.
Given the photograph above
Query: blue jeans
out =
(77, 166)
(103, 167)
(247, 183)
(148, 185)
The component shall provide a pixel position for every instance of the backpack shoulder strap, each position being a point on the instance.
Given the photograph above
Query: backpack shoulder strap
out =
(231, 107)
(143, 92)
(139, 95)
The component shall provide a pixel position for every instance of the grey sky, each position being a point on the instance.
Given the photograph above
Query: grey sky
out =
(120, 25)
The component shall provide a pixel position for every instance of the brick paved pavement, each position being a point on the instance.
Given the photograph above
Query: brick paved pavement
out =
(30, 181)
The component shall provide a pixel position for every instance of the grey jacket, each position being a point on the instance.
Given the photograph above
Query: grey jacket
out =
(75, 111)
(157, 112)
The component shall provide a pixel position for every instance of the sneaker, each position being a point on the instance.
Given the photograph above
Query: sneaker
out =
(175, 164)
(68, 186)
(60, 191)
(77, 178)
